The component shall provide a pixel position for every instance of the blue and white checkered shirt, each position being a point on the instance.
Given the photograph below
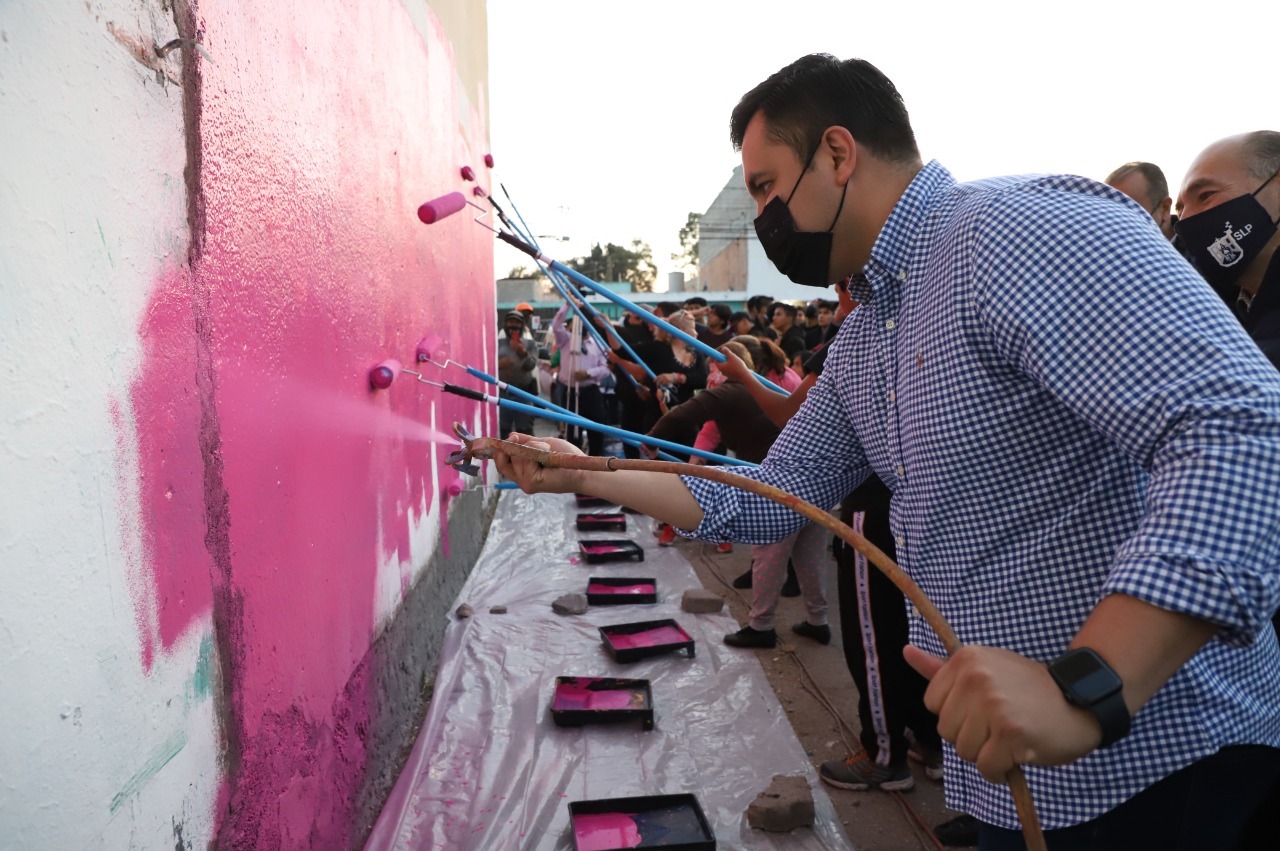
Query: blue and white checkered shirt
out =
(1063, 410)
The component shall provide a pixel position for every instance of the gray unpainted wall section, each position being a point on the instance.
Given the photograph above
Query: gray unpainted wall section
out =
(404, 659)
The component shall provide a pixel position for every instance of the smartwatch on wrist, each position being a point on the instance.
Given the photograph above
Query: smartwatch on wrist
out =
(1089, 683)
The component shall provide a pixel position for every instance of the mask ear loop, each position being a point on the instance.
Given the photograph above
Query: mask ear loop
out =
(1255, 192)
(804, 170)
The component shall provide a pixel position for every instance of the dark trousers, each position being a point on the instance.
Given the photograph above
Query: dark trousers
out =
(1203, 806)
(630, 417)
(509, 420)
(587, 402)
(873, 626)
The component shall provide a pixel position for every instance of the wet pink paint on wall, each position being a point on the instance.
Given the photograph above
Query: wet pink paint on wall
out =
(166, 409)
(322, 126)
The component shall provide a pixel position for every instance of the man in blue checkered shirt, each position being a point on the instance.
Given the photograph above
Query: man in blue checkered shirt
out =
(1084, 452)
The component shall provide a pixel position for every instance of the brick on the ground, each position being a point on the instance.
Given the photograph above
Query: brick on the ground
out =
(785, 805)
(701, 601)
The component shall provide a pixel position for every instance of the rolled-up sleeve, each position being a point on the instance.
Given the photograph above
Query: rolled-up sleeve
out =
(1167, 374)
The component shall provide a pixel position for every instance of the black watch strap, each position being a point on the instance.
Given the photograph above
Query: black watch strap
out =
(1088, 682)
(1113, 715)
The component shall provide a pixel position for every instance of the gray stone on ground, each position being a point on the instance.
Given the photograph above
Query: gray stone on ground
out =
(464, 611)
(570, 604)
(497, 610)
(785, 805)
(701, 601)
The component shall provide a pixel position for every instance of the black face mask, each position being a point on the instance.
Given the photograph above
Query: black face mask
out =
(1224, 240)
(803, 256)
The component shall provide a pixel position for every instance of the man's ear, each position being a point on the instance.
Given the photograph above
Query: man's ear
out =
(843, 150)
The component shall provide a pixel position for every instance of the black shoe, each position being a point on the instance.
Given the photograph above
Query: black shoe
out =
(762, 639)
(791, 588)
(743, 581)
(820, 634)
(960, 832)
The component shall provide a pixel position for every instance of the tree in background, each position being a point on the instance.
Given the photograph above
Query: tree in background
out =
(615, 263)
(690, 235)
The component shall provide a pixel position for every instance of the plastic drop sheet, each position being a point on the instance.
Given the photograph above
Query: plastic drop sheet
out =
(491, 770)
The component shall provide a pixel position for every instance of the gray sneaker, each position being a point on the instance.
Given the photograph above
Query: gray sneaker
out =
(929, 758)
(860, 772)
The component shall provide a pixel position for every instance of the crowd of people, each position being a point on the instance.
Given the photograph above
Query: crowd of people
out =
(1055, 402)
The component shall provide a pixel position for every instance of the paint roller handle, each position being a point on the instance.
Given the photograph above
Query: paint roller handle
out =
(438, 208)
(466, 392)
(516, 242)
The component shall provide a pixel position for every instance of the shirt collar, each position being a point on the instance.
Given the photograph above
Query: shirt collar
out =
(891, 253)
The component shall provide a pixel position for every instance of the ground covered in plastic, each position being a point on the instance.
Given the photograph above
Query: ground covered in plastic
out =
(491, 770)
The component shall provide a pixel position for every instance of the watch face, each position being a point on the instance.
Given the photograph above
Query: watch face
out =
(1089, 680)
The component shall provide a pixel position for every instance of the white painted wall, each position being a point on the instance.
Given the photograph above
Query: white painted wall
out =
(94, 753)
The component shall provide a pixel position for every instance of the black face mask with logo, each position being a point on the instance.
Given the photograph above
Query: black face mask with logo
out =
(1224, 240)
(803, 256)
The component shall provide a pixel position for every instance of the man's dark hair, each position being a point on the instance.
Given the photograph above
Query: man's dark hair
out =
(819, 91)
(723, 311)
(789, 309)
(739, 316)
(1157, 186)
(695, 300)
(810, 311)
(1262, 153)
(667, 307)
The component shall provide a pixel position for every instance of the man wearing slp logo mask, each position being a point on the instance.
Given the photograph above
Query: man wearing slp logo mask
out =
(1083, 451)
(1229, 207)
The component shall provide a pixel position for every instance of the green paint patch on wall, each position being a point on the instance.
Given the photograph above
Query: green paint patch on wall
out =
(159, 759)
(201, 680)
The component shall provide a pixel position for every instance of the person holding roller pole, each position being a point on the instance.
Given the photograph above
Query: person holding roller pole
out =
(516, 365)
(582, 368)
(1083, 448)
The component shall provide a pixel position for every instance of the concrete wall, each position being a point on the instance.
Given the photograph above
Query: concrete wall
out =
(225, 559)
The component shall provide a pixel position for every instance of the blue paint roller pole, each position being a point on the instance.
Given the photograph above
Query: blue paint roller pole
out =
(600, 341)
(583, 280)
(509, 404)
(563, 289)
(529, 245)
(543, 403)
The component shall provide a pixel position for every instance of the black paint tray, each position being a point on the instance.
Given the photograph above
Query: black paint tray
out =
(604, 521)
(592, 700)
(585, 501)
(621, 590)
(631, 642)
(600, 551)
(662, 821)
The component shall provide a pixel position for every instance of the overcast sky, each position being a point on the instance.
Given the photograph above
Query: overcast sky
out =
(609, 119)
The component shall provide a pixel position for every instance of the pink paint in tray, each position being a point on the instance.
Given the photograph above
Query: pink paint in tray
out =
(598, 551)
(642, 588)
(586, 700)
(605, 831)
(621, 590)
(659, 637)
(630, 642)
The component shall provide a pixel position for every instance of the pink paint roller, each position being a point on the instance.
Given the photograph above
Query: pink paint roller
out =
(381, 376)
(438, 208)
(431, 349)
(454, 486)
